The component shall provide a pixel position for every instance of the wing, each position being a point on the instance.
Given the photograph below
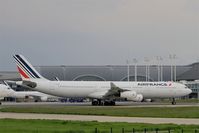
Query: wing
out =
(113, 92)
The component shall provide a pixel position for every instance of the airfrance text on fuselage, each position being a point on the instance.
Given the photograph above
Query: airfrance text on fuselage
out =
(153, 84)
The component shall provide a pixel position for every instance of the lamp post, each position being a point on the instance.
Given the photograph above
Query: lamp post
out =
(158, 67)
(127, 63)
(172, 57)
(135, 63)
(147, 68)
(161, 69)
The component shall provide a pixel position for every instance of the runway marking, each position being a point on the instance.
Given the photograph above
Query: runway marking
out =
(178, 121)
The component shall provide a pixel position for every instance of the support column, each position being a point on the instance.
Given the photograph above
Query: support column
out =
(198, 94)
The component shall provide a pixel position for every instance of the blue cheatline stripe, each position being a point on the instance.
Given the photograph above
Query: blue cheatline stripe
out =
(23, 68)
(28, 67)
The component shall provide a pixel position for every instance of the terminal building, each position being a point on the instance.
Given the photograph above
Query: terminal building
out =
(188, 74)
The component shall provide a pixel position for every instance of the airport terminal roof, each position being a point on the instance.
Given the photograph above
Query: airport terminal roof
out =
(191, 74)
(108, 73)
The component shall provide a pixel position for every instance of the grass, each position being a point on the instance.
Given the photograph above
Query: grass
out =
(194, 100)
(161, 112)
(57, 126)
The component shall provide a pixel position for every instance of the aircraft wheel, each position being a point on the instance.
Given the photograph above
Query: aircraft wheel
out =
(94, 103)
(109, 103)
(173, 101)
(99, 102)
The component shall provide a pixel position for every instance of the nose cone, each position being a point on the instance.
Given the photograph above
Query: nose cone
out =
(189, 91)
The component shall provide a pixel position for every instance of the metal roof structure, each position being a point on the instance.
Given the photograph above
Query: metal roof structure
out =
(109, 73)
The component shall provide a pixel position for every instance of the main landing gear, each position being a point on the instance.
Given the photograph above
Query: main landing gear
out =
(98, 102)
(173, 101)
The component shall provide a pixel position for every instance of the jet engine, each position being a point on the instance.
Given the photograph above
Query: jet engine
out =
(138, 98)
(131, 96)
(44, 99)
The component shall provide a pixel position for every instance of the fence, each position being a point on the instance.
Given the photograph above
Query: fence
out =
(145, 130)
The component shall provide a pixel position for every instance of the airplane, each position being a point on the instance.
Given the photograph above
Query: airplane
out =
(101, 92)
(7, 91)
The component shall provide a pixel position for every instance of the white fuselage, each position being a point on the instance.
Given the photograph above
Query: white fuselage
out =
(87, 88)
(5, 91)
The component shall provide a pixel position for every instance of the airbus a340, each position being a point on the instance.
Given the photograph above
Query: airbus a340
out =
(101, 92)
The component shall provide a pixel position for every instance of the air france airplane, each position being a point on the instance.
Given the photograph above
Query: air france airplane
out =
(101, 92)
(7, 91)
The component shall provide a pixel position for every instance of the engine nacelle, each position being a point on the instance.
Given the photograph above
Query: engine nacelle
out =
(131, 96)
(138, 98)
(148, 100)
(44, 99)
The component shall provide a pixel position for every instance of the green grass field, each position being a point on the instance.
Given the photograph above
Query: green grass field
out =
(56, 126)
(163, 112)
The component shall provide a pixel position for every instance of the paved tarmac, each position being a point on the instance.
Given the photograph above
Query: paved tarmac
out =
(118, 104)
(99, 118)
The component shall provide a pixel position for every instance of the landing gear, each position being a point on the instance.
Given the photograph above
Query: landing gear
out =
(173, 101)
(95, 102)
(98, 102)
(36, 101)
(109, 103)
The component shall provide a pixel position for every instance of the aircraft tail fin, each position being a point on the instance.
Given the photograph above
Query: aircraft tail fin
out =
(26, 70)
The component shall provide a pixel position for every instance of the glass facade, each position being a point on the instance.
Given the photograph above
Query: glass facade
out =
(194, 86)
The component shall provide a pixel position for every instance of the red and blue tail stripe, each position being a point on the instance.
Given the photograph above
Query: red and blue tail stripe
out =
(25, 68)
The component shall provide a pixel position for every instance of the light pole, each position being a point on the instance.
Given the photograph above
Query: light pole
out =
(147, 69)
(135, 63)
(158, 58)
(161, 69)
(172, 57)
(127, 63)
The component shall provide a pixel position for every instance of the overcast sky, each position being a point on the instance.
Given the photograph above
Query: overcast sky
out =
(98, 32)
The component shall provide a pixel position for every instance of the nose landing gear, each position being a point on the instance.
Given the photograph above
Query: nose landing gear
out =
(98, 102)
(173, 101)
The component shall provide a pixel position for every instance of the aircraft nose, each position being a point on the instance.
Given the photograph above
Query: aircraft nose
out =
(189, 91)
